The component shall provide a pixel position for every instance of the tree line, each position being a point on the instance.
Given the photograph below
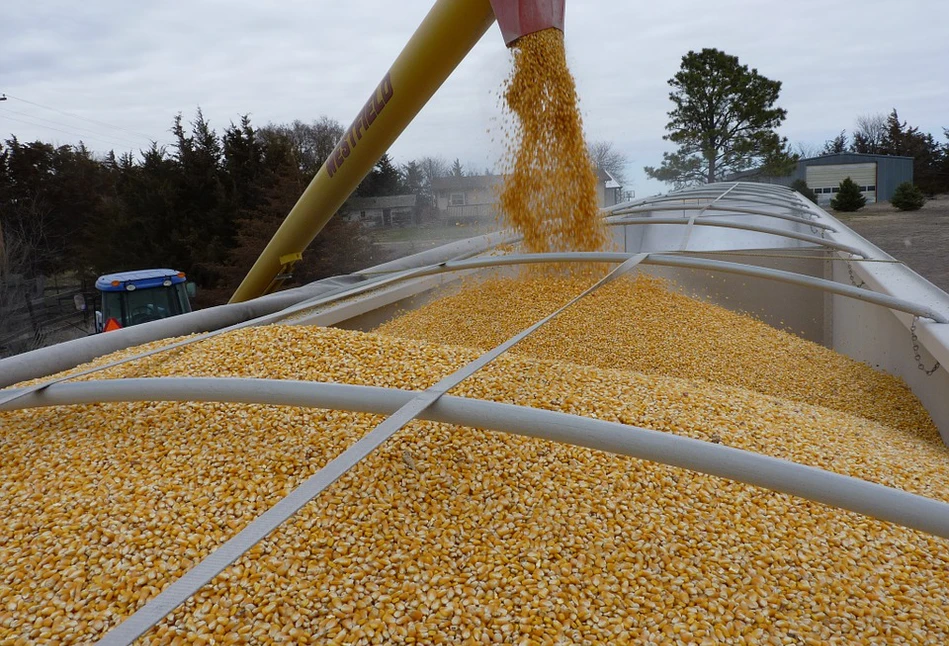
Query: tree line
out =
(725, 118)
(886, 134)
(206, 205)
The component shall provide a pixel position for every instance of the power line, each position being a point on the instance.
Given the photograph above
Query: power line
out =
(76, 116)
(66, 132)
(67, 125)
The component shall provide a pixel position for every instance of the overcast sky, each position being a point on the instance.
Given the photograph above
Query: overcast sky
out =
(131, 66)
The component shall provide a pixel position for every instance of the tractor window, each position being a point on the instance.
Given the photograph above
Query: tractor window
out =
(144, 305)
(181, 293)
(112, 307)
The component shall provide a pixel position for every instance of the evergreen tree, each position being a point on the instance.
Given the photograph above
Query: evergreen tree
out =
(943, 164)
(413, 179)
(384, 179)
(339, 248)
(243, 154)
(388, 178)
(836, 145)
(801, 187)
(141, 226)
(908, 141)
(848, 198)
(204, 215)
(723, 121)
(457, 170)
(47, 196)
(908, 197)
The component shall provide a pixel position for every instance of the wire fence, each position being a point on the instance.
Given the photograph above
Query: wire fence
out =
(38, 312)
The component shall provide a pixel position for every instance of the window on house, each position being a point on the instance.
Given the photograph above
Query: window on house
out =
(457, 199)
(871, 188)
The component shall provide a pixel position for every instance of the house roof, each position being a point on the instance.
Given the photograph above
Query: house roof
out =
(850, 154)
(468, 183)
(473, 182)
(382, 202)
(845, 157)
(607, 178)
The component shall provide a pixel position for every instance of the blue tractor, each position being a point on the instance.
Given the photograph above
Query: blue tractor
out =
(134, 297)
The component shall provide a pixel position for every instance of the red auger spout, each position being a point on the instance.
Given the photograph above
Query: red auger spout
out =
(521, 17)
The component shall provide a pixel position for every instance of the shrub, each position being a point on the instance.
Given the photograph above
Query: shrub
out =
(801, 187)
(849, 197)
(908, 197)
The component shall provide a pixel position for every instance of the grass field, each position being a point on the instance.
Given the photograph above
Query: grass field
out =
(446, 232)
(918, 238)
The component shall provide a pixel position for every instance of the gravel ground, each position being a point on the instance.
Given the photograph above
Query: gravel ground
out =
(918, 238)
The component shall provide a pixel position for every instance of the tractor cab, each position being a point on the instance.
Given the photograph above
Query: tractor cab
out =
(134, 297)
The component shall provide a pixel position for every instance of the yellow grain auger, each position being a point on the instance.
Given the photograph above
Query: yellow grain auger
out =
(444, 38)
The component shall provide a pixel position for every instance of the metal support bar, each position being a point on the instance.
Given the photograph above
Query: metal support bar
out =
(260, 320)
(790, 205)
(728, 224)
(688, 229)
(723, 209)
(884, 503)
(64, 356)
(840, 289)
(773, 201)
(515, 259)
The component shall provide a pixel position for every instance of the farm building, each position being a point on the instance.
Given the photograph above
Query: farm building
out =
(876, 175)
(386, 210)
(475, 197)
(467, 198)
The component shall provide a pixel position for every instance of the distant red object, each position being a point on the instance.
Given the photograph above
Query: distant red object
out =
(111, 324)
(521, 17)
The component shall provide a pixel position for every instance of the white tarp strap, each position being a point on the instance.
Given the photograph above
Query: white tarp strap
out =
(215, 562)
(691, 225)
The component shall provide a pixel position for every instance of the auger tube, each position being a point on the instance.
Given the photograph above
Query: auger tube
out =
(444, 38)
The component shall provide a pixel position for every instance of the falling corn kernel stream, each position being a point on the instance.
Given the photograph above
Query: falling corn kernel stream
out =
(549, 189)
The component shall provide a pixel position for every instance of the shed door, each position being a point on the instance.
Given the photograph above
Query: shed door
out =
(825, 180)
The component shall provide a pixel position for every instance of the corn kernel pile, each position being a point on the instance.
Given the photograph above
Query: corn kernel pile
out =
(643, 326)
(454, 535)
(549, 189)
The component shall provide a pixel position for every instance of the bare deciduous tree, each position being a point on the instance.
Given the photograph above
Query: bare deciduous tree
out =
(605, 156)
(806, 150)
(314, 141)
(869, 133)
(432, 168)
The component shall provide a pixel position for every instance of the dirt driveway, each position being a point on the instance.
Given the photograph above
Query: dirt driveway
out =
(918, 238)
